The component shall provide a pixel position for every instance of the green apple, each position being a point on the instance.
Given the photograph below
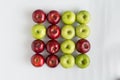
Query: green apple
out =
(38, 31)
(82, 61)
(67, 61)
(68, 32)
(67, 47)
(68, 17)
(82, 31)
(83, 17)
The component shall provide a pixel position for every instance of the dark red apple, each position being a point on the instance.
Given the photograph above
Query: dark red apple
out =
(53, 17)
(52, 46)
(37, 60)
(53, 31)
(38, 46)
(52, 61)
(83, 46)
(39, 16)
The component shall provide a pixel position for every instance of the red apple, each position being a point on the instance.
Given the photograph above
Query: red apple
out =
(37, 60)
(38, 46)
(39, 16)
(53, 31)
(83, 46)
(53, 17)
(52, 61)
(52, 46)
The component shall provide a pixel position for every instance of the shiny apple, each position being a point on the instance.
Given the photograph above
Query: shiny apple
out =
(53, 31)
(53, 17)
(38, 46)
(52, 46)
(37, 60)
(52, 61)
(39, 16)
(83, 46)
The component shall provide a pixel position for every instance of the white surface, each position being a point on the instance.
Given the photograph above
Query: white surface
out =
(16, 38)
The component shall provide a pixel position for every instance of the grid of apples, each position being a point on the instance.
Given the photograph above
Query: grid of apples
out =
(67, 32)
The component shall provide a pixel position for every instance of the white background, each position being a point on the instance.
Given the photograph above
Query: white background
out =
(16, 38)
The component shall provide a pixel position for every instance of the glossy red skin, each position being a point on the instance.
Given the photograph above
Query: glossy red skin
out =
(53, 17)
(52, 46)
(37, 60)
(53, 31)
(52, 61)
(39, 16)
(38, 46)
(83, 46)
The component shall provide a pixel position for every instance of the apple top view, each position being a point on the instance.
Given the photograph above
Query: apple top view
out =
(59, 40)
(54, 32)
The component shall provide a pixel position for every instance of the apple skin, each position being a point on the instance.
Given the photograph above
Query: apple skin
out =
(53, 31)
(68, 32)
(38, 46)
(82, 31)
(38, 31)
(82, 61)
(67, 61)
(37, 60)
(52, 61)
(68, 17)
(83, 46)
(67, 47)
(39, 16)
(52, 46)
(83, 17)
(53, 17)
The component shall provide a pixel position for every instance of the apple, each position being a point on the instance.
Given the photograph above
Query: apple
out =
(68, 17)
(68, 32)
(38, 31)
(38, 46)
(37, 60)
(52, 61)
(52, 46)
(82, 60)
(53, 17)
(39, 16)
(82, 31)
(67, 47)
(83, 17)
(83, 46)
(67, 61)
(53, 31)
